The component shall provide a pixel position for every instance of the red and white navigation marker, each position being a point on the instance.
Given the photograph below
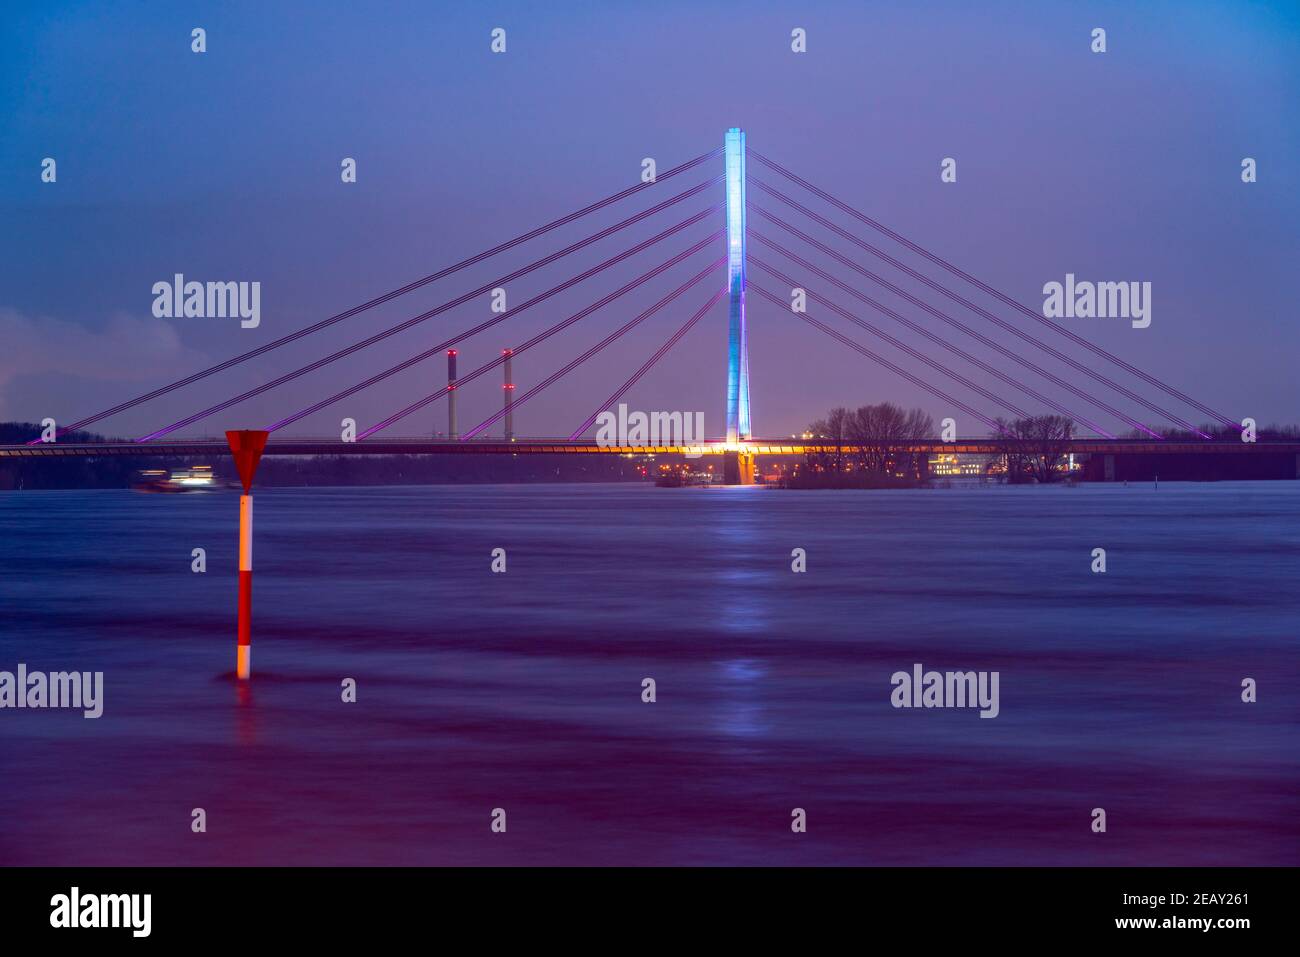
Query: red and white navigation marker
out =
(246, 446)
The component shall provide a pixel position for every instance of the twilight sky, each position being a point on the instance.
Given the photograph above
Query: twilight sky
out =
(225, 166)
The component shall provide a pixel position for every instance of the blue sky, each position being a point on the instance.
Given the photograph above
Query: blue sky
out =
(225, 166)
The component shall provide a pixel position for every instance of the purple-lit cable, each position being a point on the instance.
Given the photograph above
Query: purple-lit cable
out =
(675, 338)
(951, 347)
(895, 342)
(459, 300)
(447, 343)
(622, 290)
(955, 323)
(785, 307)
(617, 333)
(1002, 324)
(1007, 300)
(386, 297)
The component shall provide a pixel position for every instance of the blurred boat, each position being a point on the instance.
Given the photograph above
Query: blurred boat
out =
(178, 480)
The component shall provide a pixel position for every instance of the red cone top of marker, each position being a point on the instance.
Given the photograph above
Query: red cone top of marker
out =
(246, 446)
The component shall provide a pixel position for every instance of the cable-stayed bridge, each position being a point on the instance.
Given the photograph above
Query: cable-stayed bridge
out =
(1105, 397)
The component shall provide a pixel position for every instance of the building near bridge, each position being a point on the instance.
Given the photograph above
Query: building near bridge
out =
(952, 466)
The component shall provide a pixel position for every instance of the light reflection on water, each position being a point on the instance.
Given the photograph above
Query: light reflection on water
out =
(740, 713)
(523, 690)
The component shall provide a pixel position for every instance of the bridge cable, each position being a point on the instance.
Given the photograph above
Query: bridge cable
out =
(393, 294)
(957, 324)
(845, 340)
(1007, 300)
(461, 380)
(460, 300)
(459, 337)
(617, 333)
(896, 343)
(939, 340)
(988, 315)
(672, 340)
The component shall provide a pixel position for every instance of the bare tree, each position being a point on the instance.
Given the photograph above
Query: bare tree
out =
(879, 431)
(1035, 447)
(1012, 459)
(917, 425)
(834, 429)
(1049, 436)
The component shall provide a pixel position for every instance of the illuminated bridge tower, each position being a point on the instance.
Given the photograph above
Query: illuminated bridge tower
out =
(738, 467)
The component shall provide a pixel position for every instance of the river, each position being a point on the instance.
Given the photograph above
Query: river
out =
(522, 690)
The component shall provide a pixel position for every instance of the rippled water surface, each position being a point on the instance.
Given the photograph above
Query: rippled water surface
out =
(522, 690)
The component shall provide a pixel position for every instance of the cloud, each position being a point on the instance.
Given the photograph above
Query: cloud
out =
(126, 349)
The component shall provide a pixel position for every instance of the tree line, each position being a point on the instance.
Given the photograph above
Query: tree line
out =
(869, 445)
(1035, 448)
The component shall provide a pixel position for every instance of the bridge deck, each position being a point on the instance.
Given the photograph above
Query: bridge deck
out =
(421, 446)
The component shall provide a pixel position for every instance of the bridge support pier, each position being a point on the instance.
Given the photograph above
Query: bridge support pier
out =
(1108, 468)
(737, 468)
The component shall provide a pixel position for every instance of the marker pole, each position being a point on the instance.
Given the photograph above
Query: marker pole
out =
(244, 650)
(246, 446)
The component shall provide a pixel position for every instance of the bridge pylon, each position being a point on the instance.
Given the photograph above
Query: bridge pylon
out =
(738, 424)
